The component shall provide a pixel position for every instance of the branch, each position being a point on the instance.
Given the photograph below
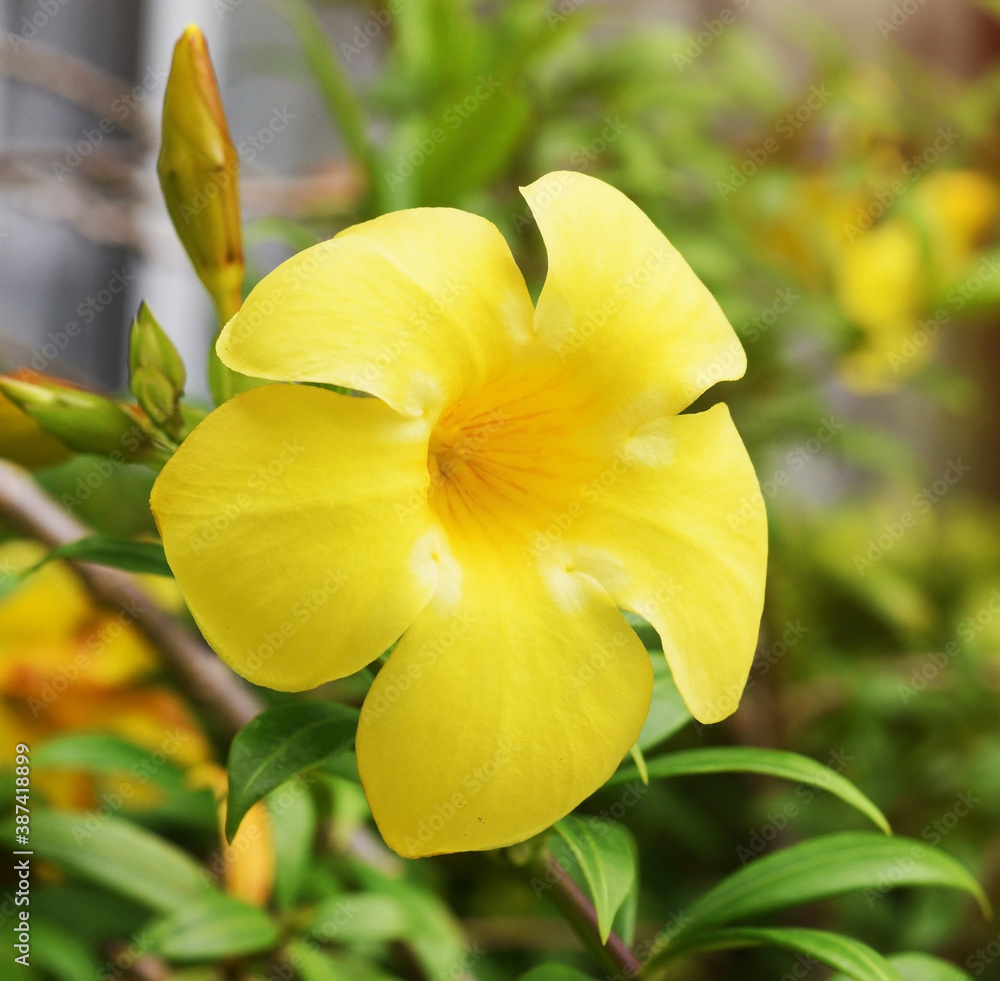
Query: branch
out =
(538, 865)
(29, 510)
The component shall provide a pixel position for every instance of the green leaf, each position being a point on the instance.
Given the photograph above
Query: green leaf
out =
(749, 759)
(57, 952)
(133, 556)
(211, 927)
(108, 756)
(667, 711)
(554, 972)
(294, 812)
(855, 959)
(360, 917)
(921, 967)
(916, 966)
(100, 753)
(607, 857)
(119, 856)
(102, 550)
(280, 743)
(824, 867)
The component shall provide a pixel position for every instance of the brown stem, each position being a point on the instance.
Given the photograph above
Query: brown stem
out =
(538, 866)
(29, 510)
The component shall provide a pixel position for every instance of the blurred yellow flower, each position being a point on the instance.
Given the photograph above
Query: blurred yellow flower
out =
(889, 257)
(890, 277)
(67, 664)
(247, 863)
(519, 476)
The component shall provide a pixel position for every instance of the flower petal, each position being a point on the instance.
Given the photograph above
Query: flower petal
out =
(513, 697)
(675, 530)
(621, 302)
(415, 307)
(295, 520)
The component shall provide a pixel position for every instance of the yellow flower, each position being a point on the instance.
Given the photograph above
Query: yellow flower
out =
(247, 864)
(68, 664)
(519, 476)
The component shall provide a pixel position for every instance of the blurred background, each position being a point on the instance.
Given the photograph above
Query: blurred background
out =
(831, 170)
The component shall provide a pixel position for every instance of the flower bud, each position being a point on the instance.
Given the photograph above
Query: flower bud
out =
(81, 420)
(156, 373)
(22, 440)
(199, 169)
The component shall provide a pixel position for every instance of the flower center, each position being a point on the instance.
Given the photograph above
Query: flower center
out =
(504, 459)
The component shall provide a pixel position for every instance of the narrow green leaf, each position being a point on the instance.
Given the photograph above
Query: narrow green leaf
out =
(855, 959)
(921, 967)
(554, 972)
(132, 556)
(60, 954)
(332, 81)
(824, 867)
(749, 759)
(120, 856)
(667, 711)
(211, 927)
(607, 858)
(280, 743)
(101, 753)
(360, 917)
(916, 966)
(294, 812)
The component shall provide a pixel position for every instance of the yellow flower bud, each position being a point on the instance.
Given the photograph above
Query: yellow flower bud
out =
(199, 173)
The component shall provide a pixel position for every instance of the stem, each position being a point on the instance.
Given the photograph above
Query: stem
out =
(28, 509)
(538, 865)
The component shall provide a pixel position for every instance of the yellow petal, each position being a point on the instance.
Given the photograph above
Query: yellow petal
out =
(513, 697)
(675, 530)
(879, 280)
(416, 307)
(296, 523)
(620, 301)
